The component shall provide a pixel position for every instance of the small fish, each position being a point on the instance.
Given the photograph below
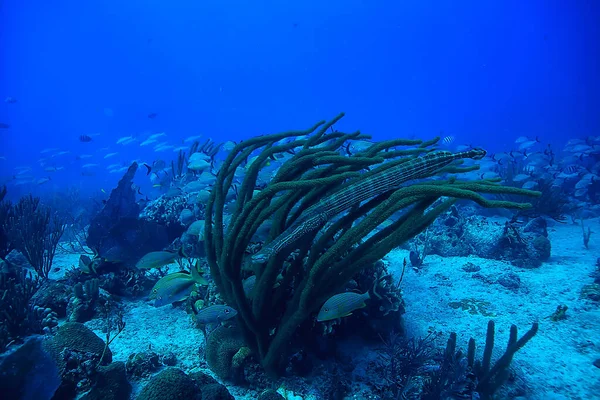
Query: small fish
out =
(91, 165)
(520, 177)
(196, 228)
(228, 146)
(176, 286)
(529, 185)
(248, 285)
(156, 136)
(103, 191)
(147, 142)
(528, 144)
(85, 138)
(198, 165)
(521, 139)
(192, 138)
(448, 140)
(10, 100)
(86, 265)
(125, 140)
(110, 155)
(84, 156)
(157, 259)
(342, 305)
(43, 180)
(215, 314)
(152, 115)
(193, 187)
(159, 165)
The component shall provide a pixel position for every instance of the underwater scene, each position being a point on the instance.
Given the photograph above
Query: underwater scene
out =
(335, 200)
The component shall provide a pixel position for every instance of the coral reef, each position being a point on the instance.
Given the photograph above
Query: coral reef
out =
(31, 229)
(110, 383)
(118, 234)
(302, 200)
(170, 384)
(143, 364)
(462, 375)
(78, 352)
(82, 306)
(18, 316)
(524, 246)
(222, 346)
(53, 295)
(166, 210)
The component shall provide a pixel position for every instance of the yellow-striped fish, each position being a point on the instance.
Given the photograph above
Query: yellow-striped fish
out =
(341, 305)
(176, 286)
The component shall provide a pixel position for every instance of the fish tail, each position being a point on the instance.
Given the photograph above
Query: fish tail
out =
(196, 275)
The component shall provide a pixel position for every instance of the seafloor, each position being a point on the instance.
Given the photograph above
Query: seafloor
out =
(556, 364)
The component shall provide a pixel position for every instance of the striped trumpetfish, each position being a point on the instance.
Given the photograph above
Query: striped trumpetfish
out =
(361, 190)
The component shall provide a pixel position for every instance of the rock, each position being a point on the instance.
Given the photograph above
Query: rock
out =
(142, 364)
(110, 384)
(476, 236)
(537, 225)
(215, 392)
(591, 292)
(29, 372)
(510, 280)
(470, 267)
(202, 379)
(169, 359)
(117, 232)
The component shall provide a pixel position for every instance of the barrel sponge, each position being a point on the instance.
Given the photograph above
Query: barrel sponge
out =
(170, 384)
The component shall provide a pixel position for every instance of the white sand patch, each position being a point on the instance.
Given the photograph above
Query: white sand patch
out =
(557, 362)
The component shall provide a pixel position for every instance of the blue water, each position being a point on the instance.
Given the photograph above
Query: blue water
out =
(85, 84)
(485, 73)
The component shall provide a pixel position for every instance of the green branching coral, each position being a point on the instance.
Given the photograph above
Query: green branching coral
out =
(322, 206)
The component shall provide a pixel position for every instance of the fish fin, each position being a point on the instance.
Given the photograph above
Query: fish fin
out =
(199, 279)
(181, 253)
(149, 169)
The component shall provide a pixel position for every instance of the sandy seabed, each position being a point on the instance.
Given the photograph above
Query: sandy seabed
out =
(556, 364)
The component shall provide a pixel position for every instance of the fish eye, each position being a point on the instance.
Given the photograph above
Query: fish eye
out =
(154, 290)
(327, 310)
(226, 311)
